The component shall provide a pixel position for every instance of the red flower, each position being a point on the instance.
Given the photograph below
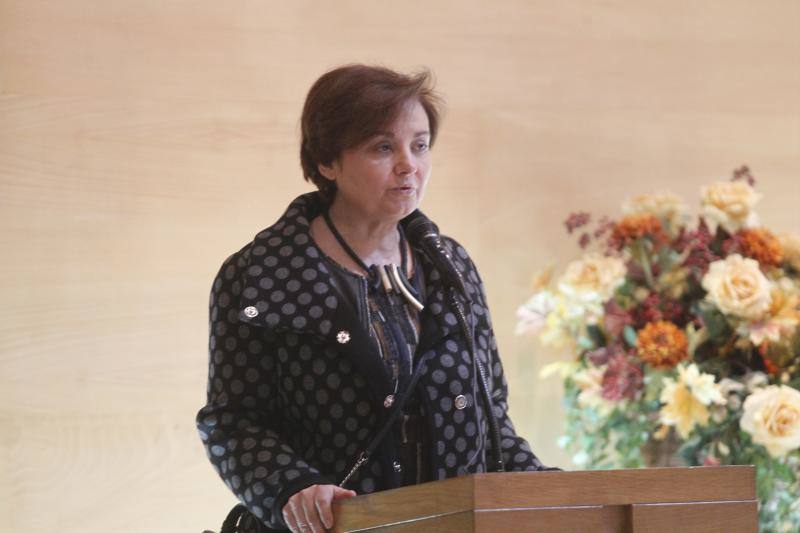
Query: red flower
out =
(576, 220)
(743, 173)
(771, 367)
(698, 242)
(655, 308)
(616, 318)
(622, 379)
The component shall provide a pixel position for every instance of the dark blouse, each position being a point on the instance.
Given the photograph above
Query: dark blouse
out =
(393, 325)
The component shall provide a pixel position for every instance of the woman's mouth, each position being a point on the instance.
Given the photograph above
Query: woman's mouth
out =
(404, 190)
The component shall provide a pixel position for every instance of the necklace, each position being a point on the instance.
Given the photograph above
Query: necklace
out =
(389, 274)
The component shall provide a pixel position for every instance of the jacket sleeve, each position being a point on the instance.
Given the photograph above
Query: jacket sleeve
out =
(240, 425)
(517, 453)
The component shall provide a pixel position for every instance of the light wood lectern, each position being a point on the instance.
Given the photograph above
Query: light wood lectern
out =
(694, 499)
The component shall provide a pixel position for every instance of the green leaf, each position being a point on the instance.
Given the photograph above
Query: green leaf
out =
(596, 334)
(719, 330)
(629, 334)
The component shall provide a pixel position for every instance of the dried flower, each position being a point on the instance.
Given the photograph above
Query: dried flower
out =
(761, 245)
(637, 226)
(662, 344)
(615, 318)
(697, 246)
(604, 226)
(667, 206)
(590, 381)
(655, 308)
(743, 173)
(622, 379)
(576, 220)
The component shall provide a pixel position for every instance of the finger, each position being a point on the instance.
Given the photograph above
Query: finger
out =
(289, 518)
(324, 511)
(311, 514)
(339, 492)
(298, 516)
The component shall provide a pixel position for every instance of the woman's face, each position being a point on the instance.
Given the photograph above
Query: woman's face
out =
(385, 176)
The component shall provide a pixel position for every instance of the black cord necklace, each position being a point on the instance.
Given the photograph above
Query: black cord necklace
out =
(354, 256)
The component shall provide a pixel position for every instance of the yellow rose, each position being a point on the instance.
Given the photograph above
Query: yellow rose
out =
(737, 287)
(664, 205)
(593, 278)
(730, 204)
(791, 249)
(772, 417)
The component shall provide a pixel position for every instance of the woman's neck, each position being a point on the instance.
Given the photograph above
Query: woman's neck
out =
(375, 241)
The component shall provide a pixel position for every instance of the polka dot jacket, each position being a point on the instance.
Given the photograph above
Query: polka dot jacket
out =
(296, 389)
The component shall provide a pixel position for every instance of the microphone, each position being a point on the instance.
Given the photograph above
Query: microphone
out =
(420, 229)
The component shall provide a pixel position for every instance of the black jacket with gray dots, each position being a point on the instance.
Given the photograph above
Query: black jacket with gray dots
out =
(296, 388)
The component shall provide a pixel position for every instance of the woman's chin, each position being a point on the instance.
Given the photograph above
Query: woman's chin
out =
(402, 207)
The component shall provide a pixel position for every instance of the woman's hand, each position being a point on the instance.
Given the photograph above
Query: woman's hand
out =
(309, 511)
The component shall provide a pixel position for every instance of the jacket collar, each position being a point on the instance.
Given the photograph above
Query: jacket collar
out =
(288, 287)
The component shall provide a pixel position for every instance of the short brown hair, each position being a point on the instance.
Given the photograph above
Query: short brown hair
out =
(349, 104)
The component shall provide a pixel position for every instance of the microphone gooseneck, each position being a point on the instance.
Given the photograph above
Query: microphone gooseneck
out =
(421, 230)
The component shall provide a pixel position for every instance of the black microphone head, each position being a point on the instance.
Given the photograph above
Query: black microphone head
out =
(417, 226)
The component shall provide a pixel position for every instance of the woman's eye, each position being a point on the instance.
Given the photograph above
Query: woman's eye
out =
(384, 147)
(421, 146)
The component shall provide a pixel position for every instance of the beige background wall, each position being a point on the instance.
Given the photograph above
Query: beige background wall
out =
(141, 142)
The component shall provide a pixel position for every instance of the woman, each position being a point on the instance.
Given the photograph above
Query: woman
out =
(350, 345)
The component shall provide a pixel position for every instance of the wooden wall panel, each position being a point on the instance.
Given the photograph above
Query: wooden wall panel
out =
(141, 142)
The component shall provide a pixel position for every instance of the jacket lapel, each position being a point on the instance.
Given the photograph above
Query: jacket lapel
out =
(288, 288)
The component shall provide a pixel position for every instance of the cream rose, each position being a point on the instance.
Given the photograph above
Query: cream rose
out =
(791, 249)
(737, 287)
(593, 278)
(772, 416)
(664, 205)
(730, 204)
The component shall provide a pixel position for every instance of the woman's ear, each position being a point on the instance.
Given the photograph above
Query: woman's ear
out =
(328, 171)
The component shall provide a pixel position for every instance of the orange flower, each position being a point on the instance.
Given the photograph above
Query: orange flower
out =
(662, 344)
(635, 226)
(761, 245)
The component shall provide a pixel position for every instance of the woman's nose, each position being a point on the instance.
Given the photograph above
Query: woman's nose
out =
(405, 164)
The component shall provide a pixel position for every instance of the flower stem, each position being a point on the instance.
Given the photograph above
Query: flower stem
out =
(644, 261)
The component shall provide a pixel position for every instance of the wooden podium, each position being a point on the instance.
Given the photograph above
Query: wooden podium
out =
(695, 499)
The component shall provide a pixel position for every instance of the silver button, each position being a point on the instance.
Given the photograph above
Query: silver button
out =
(343, 337)
(250, 311)
(388, 401)
(397, 467)
(461, 401)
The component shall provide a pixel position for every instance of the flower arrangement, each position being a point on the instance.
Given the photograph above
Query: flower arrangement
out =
(684, 334)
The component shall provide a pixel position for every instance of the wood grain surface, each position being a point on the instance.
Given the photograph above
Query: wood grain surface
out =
(143, 141)
(619, 501)
(596, 493)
